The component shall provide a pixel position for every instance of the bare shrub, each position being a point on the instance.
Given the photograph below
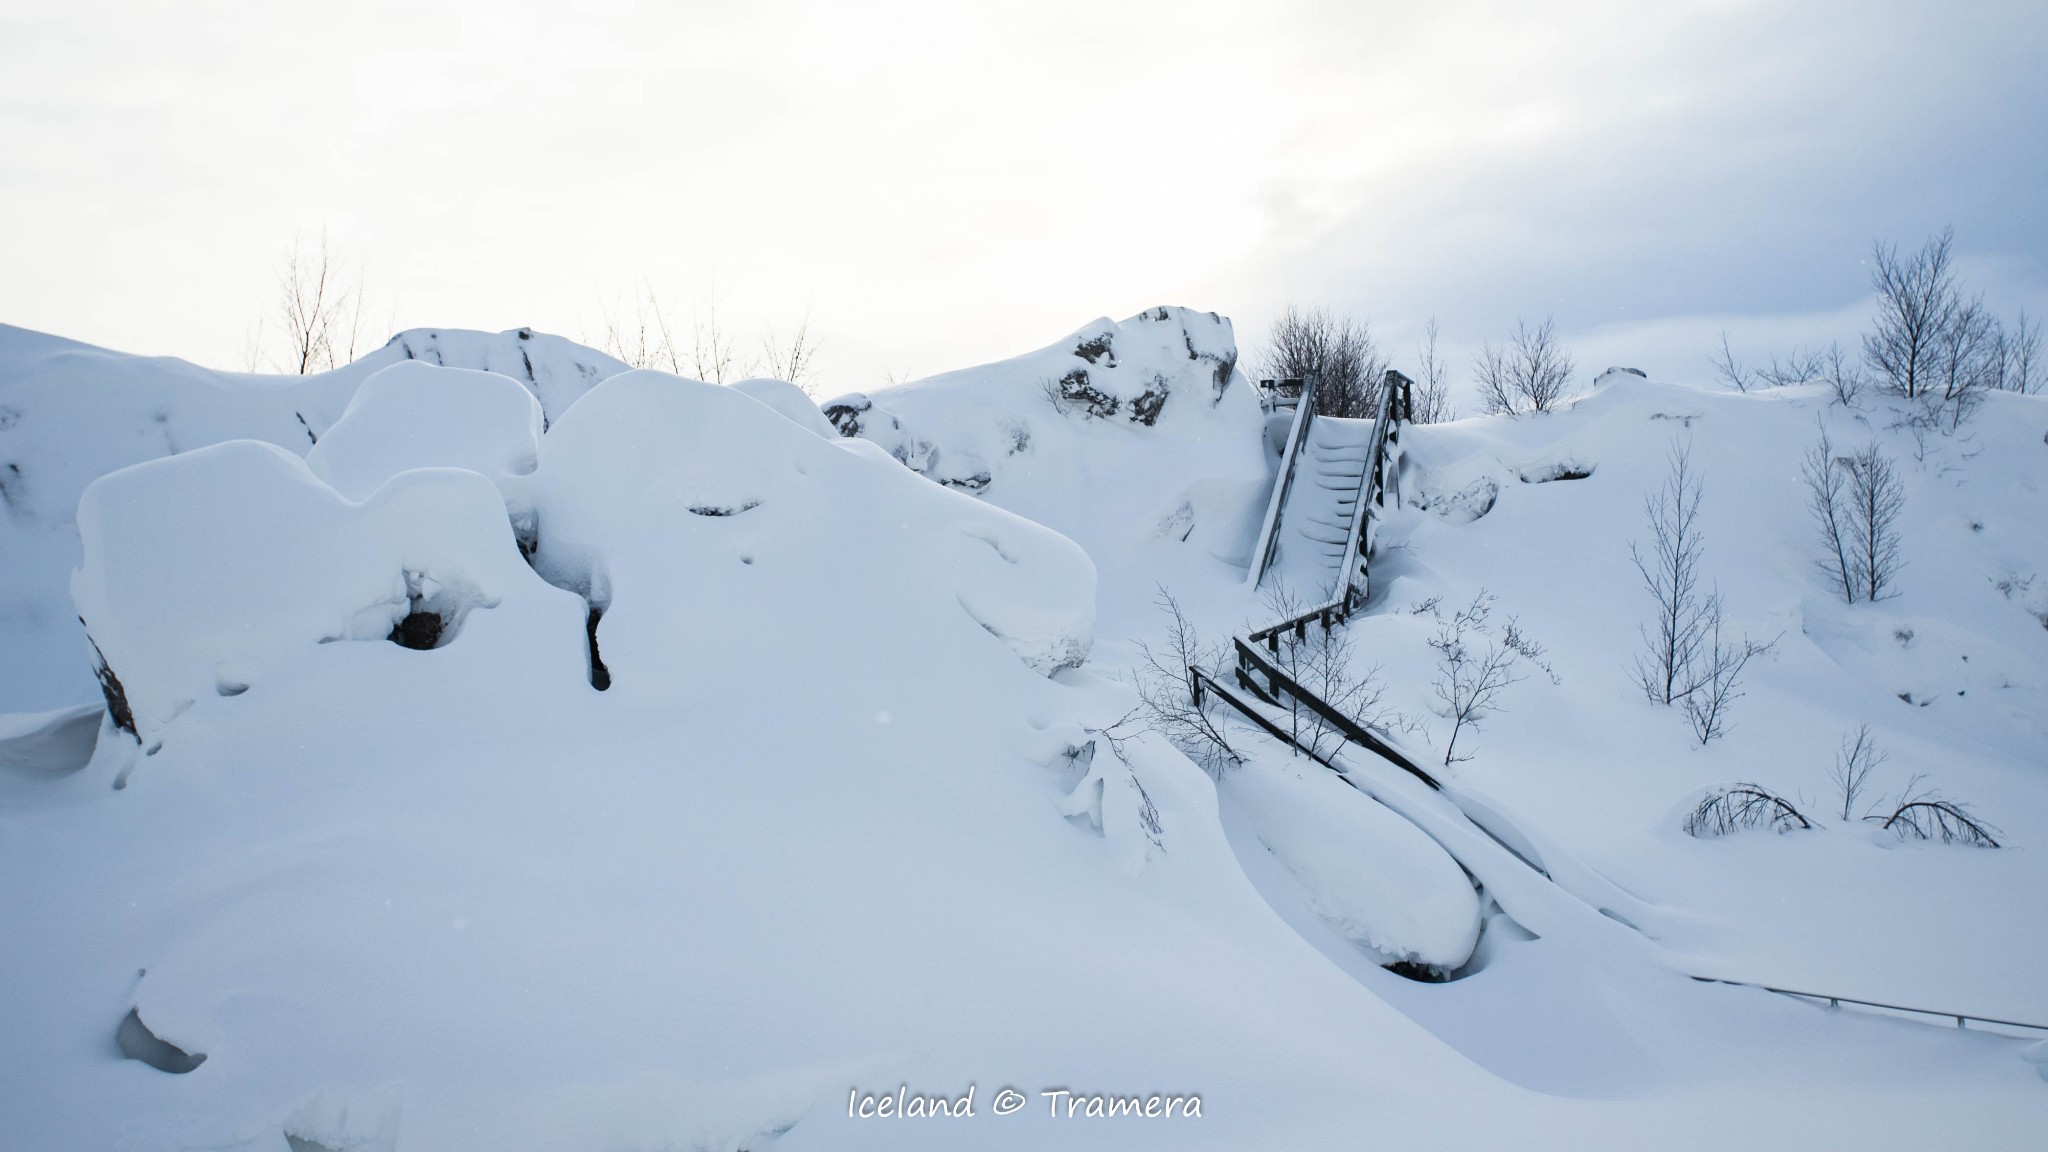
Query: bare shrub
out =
(1469, 678)
(1856, 502)
(1335, 351)
(1876, 499)
(2019, 368)
(1926, 815)
(1671, 576)
(1729, 369)
(1166, 690)
(1740, 807)
(1527, 374)
(1716, 676)
(1432, 394)
(1321, 661)
(792, 357)
(1855, 760)
(321, 312)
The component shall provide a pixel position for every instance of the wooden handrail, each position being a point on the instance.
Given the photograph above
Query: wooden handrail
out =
(1250, 659)
(1297, 434)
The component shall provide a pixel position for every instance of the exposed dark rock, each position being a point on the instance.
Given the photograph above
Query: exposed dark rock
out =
(1421, 973)
(845, 413)
(1094, 349)
(974, 483)
(722, 509)
(1075, 389)
(600, 676)
(1146, 405)
(419, 630)
(137, 1042)
(110, 687)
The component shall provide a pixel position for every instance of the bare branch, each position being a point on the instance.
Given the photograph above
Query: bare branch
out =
(1740, 807)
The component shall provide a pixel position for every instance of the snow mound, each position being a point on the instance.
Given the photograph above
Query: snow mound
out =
(653, 482)
(71, 413)
(206, 571)
(1375, 878)
(414, 415)
(789, 400)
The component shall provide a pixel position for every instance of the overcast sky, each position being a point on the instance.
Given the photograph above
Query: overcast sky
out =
(943, 184)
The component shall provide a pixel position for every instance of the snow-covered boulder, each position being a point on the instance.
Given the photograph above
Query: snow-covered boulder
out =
(1372, 876)
(205, 571)
(414, 415)
(653, 484)
(71, 413)
(1122, 436)
(789, 400)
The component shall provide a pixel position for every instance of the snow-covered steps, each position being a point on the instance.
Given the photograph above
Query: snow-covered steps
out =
(1322, 504)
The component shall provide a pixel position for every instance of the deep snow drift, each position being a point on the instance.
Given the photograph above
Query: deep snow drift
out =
(652, 770)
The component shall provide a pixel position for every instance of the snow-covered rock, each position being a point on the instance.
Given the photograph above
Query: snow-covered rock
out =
(1126, 437)
(71, 413)
(414, 415)
(206, 572)
(789, 400)
(1373, 877)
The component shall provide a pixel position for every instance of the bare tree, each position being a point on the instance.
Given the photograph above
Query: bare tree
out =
(1917, 298)
(321, 313)
(1432, 399)
(1470, 679)
(1336, 351)
(1855, 760)
(1876, 497)
(1527, 374)
(792, 359)
(1716, 677)
(1670, 575)
(1826, 496)
(1740, 807)
(1166, 690)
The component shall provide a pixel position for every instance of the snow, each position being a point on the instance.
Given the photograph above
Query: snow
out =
(1374, 877)
(415, 415)
(70, 413)
(860, 806)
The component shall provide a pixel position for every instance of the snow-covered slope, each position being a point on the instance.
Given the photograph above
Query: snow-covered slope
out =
(727, 774)
(70, 413)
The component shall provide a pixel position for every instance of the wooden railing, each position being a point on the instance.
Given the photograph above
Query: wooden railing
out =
(1297, 433)
(1396, 407)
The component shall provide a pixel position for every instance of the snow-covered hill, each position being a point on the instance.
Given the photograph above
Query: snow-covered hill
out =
(673, 766)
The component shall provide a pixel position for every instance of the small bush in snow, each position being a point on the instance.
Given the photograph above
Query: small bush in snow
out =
(1469, 678)
(1857, 758)
(1856, 501)
(1919, 815)
(1740, 807)
(1320, 660)
(1166, 690)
